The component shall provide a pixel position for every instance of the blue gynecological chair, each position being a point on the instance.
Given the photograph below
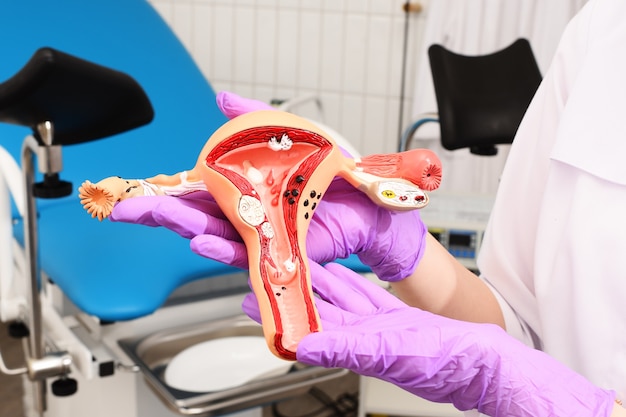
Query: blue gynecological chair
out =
(126, 36)
(110, 271)
(97, 88)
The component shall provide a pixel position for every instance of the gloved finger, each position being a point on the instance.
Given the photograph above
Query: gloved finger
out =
(139, 210)
(204, 202)
(375, 344)
(321, 349)
(332, 317)
(189, 218)
(233, 105)
(332, 287)
(197, 195)
(352, 292)
(250, 306)
(340, 186)
(136, 210)
(339, 221)
(221, 249)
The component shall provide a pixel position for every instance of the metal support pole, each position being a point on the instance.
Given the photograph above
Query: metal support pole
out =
(29, 149)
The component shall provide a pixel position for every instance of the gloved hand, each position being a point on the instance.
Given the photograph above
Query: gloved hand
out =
(346, 221)
(473, 366)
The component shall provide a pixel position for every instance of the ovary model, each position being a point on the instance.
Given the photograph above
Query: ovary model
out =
(268, 171)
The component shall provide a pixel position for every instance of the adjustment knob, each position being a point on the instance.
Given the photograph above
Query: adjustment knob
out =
(18, 330)
(52, 187)
(64, 387)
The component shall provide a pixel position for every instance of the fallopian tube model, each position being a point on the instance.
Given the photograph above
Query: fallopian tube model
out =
(268, 170)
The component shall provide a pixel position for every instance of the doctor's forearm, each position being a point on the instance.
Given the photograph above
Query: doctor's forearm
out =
(618, 411)
(440, 284)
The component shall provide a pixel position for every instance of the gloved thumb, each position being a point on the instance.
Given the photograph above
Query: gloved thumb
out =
(233, 105)
(250, 306)
(330, 349)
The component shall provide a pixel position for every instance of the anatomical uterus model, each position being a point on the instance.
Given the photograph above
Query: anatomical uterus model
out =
(268, 171)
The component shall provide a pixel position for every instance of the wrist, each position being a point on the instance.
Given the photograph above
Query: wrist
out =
(618, 409)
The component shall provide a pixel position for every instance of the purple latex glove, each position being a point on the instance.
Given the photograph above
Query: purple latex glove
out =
(473, 366)
(233, 105)
(345, 222)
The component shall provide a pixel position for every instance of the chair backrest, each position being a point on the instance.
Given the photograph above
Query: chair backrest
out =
(128, 36)
(80, 100)
(111, 270)
(481, 99)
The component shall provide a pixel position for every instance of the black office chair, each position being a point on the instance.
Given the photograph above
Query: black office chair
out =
(480, 99)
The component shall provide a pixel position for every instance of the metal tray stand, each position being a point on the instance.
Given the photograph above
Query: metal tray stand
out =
(154, 352)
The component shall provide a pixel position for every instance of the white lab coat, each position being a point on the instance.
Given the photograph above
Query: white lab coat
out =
(555, 247)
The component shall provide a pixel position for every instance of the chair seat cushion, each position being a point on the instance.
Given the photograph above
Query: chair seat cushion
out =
(115, 271)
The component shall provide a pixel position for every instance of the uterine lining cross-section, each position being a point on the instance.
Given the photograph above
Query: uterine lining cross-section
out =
(274, 196)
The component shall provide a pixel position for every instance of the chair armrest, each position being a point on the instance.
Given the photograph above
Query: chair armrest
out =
(10, 185)
(11, 177)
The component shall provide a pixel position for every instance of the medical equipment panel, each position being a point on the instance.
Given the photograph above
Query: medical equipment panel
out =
(458, 222)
